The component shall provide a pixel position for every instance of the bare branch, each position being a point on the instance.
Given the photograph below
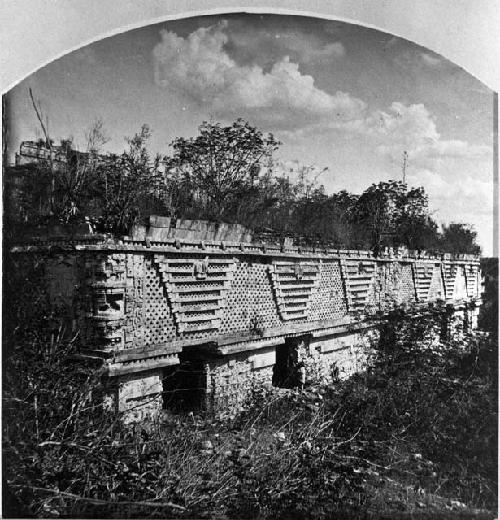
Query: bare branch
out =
(40, 116)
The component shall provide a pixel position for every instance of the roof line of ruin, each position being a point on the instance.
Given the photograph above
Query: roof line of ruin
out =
(107, 243)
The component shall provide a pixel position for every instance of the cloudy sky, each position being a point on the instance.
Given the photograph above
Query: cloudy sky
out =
(337, 96)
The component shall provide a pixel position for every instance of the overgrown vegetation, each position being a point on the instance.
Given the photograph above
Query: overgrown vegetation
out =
(212, 173)
(226, 173)
(488, 316)
(415, 434)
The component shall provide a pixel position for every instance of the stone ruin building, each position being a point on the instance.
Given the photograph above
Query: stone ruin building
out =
(195, 315)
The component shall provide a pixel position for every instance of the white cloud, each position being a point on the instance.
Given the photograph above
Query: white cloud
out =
(453, 149)
(476, 193)
(400, 128)
(412, 128)
(210, 68)
(199, 67)
(433, 183)
(404, 123)
(462, 198)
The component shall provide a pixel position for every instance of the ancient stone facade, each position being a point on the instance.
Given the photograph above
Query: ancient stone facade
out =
(203, 323)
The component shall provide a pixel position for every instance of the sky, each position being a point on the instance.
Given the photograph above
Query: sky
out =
(338, 96)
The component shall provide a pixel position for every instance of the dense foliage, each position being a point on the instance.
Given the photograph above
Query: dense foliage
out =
(226, 173)
(488, 315)
(126, 184)
(217, 169)
(414, 434)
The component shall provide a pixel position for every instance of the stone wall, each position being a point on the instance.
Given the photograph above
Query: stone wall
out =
(231, 380)
(228, 314)
(140, 394)
(337, 356)
(163, 228)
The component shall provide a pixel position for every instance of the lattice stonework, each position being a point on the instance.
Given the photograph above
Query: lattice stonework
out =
(359, 280)
(404, 287)
(134, 301)
(294, 284)
(329, 300)
(153, 320)
(197, 289)
(428, 281)
(436, 289)
(471, 278)
(250, 302)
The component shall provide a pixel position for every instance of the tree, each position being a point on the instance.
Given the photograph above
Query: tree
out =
(459, 238)
(414, 227)
(77, 181)
(64, 176)
(221, 164)
(417, 232)
(379, 208)
(125, 181)
(44, 125)
(394, 216)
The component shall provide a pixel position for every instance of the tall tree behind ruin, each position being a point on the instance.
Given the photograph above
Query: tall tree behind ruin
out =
(221, 164)
(459, 238)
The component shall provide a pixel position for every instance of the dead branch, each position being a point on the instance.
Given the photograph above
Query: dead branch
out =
(98, 501)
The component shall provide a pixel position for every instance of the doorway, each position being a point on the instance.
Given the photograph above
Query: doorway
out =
(184, 387)
(286, 371)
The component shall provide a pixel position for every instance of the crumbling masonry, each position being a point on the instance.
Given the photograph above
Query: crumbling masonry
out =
(198, 324)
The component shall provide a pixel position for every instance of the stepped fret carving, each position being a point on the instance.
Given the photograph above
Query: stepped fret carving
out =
(471, 280)
(427, 280)
(294, 286)
(359, 276)
(449, 275)
(197, 290)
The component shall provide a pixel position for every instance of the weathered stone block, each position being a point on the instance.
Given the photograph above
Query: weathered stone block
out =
(140, 395)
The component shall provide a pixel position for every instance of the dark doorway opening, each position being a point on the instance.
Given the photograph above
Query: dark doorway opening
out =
(184, 387)
(286, 371)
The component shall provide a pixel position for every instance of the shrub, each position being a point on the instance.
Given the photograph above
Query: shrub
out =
(430, 396)
(422, 417)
